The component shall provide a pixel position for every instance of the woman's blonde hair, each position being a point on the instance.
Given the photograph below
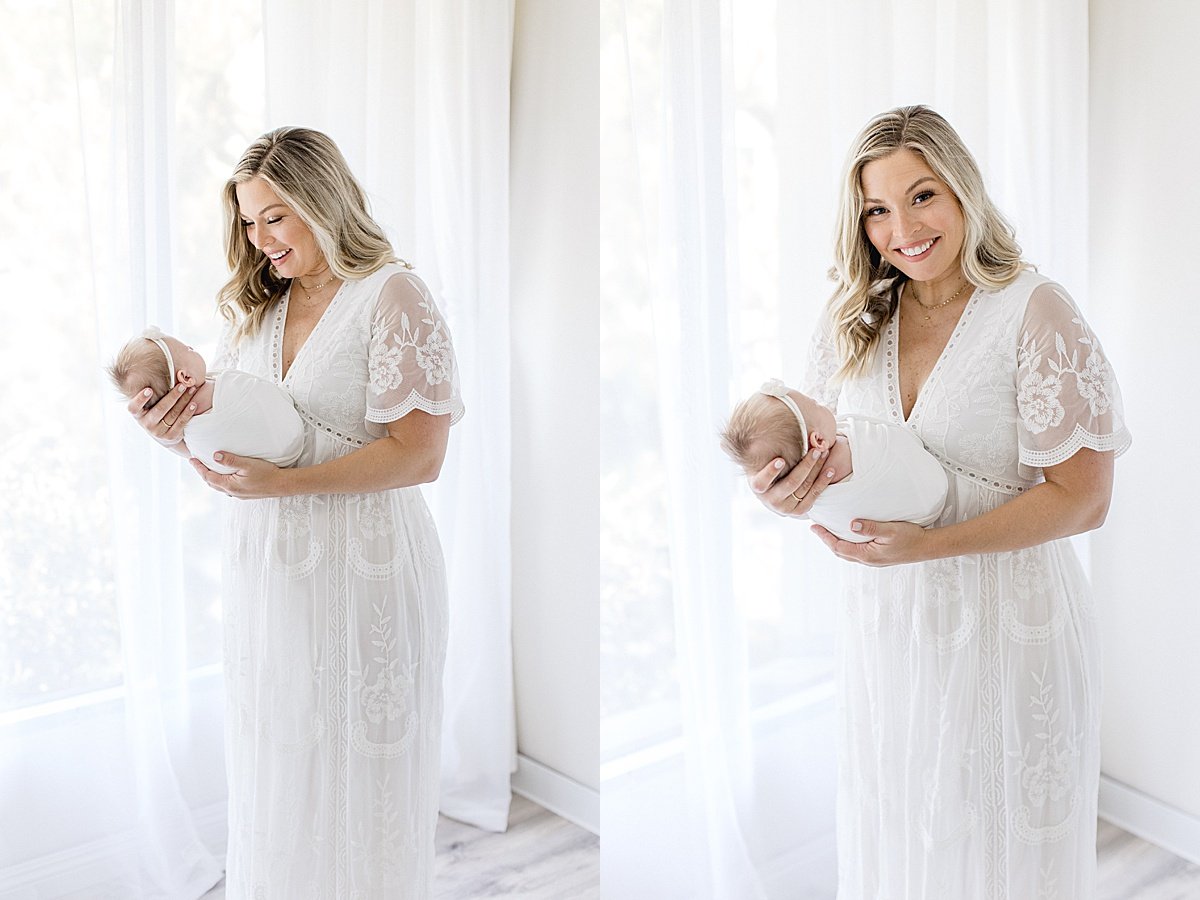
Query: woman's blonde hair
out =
(308, 173)
(868, 287)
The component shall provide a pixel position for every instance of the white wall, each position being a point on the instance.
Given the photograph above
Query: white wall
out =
(1145, 303)
(554, 226)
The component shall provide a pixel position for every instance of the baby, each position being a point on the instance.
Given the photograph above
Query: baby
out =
(881, 471)
(235, 411)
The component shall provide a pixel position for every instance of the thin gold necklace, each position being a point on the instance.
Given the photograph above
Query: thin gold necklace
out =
(945, 302)
(328, 281)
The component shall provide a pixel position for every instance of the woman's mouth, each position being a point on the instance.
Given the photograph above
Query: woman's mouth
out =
(279, 256)
(917, 252)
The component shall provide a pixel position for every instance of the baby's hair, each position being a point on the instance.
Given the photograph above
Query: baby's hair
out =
(759, 429)
(140, 364)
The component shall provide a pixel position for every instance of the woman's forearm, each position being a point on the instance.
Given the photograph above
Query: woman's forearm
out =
(1072, 500)
(381, 465)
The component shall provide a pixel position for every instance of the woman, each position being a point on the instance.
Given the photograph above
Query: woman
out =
(335, 602)
(969, 662)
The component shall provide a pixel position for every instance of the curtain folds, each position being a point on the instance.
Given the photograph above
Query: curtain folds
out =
(416, 96)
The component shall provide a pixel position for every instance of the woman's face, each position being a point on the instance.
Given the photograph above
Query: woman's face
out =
(912, 218)
(274, 228)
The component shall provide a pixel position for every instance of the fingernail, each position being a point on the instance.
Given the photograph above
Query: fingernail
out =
(191, 407)
(829, 473)
(182, 388)
(779, 463)
(856, 526)
(218, 457)
(817, 454)
(146, 392)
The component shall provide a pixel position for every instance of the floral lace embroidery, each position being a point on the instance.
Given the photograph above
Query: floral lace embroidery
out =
(433, 355)
(1050, 775)
(389, 696)
(1031, 583)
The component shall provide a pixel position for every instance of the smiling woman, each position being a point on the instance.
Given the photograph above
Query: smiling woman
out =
(336, 617)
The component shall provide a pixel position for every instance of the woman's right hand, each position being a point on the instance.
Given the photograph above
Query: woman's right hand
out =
(794, 493)
(164, 420)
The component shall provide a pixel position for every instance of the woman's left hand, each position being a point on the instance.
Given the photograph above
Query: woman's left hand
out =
(891, 544)
(253, 478)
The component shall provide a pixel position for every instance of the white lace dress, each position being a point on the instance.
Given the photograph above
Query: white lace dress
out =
(969, 687)
(335, 620)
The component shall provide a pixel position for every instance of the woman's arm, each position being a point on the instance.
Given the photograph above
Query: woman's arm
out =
(1073, 499)
(412, 453)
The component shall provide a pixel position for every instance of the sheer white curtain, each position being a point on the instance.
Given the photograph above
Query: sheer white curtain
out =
(416, 95)
(739, 116)
(110, 695)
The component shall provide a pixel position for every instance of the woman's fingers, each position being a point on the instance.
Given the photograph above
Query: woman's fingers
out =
(164, 421)
(794, 493)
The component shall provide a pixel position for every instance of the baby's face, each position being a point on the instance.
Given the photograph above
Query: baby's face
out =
(189, 365)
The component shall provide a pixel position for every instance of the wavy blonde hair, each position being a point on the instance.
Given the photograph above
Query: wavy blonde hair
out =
(308, 172)
(868, 287)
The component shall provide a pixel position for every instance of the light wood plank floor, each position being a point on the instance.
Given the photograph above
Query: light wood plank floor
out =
(1131, 869)
(540, 857)
(543, 857)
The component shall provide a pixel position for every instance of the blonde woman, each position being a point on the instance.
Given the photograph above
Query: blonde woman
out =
(335, 590)
(969, 665)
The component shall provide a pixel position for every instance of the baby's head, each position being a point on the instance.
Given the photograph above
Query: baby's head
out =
(157, 361)
(776, 422)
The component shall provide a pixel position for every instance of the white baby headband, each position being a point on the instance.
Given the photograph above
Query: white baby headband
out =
(777, 389)
(154, 333)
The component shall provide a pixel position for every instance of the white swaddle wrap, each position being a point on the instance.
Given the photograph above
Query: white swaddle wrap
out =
(894, 480)
(250, 416)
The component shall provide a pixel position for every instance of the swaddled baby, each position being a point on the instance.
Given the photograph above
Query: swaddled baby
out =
(235, 411)
(882, 471)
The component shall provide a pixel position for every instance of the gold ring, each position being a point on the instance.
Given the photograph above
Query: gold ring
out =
(797, 499)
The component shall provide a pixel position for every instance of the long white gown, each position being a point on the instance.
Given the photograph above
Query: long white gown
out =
(335, 620)
(969, 688)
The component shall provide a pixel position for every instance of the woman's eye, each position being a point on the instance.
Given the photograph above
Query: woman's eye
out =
(923, 196)
(273, 219)
(246, 224)
(876, 211)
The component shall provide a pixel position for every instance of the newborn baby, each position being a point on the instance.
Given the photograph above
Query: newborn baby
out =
(235, 411)
(881, 471)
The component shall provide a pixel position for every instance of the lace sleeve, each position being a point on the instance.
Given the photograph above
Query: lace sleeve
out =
(822, 365)
(410, 359)
(1067, 394)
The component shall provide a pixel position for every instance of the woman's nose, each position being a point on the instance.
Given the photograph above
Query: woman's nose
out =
(906, 223)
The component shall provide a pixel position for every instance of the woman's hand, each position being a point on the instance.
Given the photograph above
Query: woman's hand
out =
(794, 493)
(891, 544)
(252, 480)
(164, 420)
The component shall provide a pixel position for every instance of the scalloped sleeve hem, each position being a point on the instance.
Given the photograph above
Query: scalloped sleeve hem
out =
(1118, 442)
(377, 418)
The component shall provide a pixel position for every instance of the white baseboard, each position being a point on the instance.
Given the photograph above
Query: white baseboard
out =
(1150, 819)
(561, 795)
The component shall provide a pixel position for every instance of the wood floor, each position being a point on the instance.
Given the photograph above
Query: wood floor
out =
(543, 857)
(540, 857)
(1131, 869)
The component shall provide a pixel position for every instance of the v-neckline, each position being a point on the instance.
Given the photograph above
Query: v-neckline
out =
(892, 351)
(281, 376)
